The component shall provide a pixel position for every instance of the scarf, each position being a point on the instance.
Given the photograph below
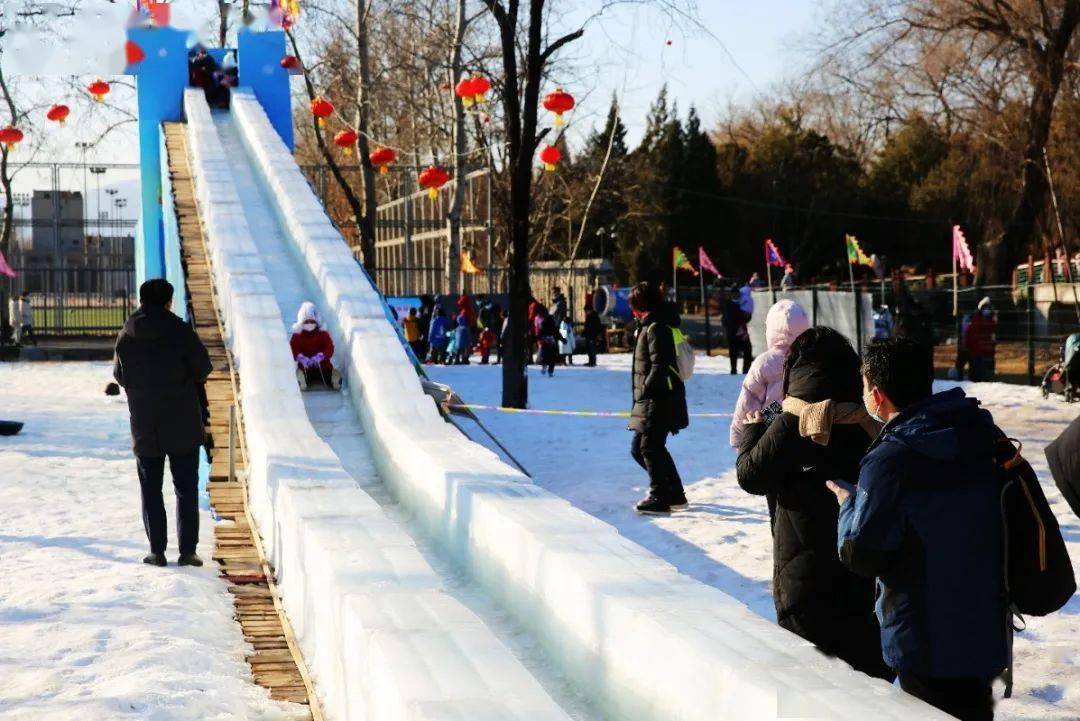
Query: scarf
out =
(816, 420)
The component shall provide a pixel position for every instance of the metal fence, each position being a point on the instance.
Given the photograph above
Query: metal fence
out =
(76, 301)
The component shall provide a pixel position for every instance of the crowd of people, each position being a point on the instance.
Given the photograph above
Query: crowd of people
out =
(882, 495)
(479, 326)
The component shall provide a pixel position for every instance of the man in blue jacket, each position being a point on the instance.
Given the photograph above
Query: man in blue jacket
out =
(925, 521)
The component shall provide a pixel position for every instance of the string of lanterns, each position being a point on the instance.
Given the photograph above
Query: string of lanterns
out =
(11, 136)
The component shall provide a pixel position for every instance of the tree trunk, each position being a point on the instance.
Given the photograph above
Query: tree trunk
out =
(7, 233)
(367, 171)
(223, 23)
(453, 250)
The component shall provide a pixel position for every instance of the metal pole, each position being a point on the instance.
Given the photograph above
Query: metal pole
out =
(1030, 334)
(490, 237)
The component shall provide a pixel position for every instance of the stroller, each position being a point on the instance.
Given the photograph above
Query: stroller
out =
(1064, 377)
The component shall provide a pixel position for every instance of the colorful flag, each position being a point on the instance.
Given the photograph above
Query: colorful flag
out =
(772, 254)
(467, 265)
(679, 261)
(705, 263)
(6, 269)
(855, 254)
(960, 250)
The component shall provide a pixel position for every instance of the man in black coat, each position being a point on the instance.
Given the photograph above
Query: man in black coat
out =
(821, 434)
(162, 364)
(594, 329)
(659, 401)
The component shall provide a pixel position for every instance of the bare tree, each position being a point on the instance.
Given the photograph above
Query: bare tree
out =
(982, 53)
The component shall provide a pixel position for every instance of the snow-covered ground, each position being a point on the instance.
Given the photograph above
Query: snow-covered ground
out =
(87, 631)
(723, 540)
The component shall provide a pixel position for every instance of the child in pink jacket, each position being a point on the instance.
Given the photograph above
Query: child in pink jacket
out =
(764, 384)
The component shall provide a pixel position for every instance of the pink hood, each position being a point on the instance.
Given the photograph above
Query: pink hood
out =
(785, 322)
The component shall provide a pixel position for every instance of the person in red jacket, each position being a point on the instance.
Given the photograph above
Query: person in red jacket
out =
(313, 349)
(465, 305)
(981, 343)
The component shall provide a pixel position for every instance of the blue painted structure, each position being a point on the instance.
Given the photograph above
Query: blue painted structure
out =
(160, 81)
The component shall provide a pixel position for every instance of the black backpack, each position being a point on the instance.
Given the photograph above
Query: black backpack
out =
(1039, 575)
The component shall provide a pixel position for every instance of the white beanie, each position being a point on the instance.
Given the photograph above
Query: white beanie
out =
(984, 303)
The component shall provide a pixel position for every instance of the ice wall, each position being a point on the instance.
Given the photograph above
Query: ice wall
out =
(382, 637)
(642, 640)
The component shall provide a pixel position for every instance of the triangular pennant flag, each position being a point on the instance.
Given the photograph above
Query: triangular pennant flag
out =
(855, 254)
(679, 261)
(961, 251)
(772, 254)
(6, 269)
(467, 265)
(705, 263)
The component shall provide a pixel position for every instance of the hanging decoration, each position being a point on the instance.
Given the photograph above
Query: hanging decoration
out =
(58, 113)
(290, 63)
(381, 158)
(10, 137)
(346, 139)
(559, 102)
(322, 109)
(432, 178)
(99, 89)
(550, 157)
(473, 90)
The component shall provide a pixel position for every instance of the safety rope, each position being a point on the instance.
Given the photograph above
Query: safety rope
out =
(581, 414)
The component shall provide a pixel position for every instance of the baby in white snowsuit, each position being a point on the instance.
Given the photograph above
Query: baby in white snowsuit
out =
(764, 383)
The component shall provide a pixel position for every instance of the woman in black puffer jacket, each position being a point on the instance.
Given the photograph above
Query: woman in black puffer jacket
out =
(822, 434)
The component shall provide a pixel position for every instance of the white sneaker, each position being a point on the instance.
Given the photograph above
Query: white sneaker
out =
(301, 378)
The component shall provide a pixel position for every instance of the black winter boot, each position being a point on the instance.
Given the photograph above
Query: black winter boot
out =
(189, 559)
(155, 559)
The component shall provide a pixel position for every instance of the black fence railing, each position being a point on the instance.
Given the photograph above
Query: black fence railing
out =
(74, 301)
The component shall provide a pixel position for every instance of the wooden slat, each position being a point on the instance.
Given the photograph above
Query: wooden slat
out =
(276, 662)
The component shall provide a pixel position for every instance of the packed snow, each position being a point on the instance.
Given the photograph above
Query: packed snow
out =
(723, 540)
(88, 631)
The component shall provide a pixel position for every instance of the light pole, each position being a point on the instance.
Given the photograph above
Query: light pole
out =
(120, 204)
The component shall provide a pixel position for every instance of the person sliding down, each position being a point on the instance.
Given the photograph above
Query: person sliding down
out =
(313, 349)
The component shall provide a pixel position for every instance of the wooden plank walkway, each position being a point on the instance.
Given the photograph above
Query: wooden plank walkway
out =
(276, 663)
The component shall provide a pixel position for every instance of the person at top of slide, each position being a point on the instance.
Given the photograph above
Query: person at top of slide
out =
(313, 349)
(764, 383)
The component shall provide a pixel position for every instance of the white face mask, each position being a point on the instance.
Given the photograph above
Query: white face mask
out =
(310, 325)
(867, 402)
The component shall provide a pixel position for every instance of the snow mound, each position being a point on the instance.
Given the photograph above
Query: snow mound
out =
(642, 640)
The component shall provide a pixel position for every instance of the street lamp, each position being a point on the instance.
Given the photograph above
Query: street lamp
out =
(98, 170)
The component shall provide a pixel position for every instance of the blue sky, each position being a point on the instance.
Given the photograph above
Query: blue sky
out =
(748, 47)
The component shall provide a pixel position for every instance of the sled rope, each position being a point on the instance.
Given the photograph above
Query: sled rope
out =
(580, 414)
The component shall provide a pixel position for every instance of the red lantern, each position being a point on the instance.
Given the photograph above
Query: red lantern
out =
(433, 178)
(58, 113)
(481, 86)
(10, 137)
(381, 159)
(290, 62)
(465, 90)
(345, 140)
(99, 89)
(322, 109)
(559, 102)
(550, 157)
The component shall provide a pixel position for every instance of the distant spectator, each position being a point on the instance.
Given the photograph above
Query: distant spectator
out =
(15, 318)
(788, 281)
(504, 334)
(462, 339)
(659, 403)
(465, 306)
(489, 314)
(593, 334)
(764, 383)
(735, 320)
(162, 364)
(413, 333)
(550, 337)
(26, 320)
(425, 325)
(558, 306)
(567, 341)
(486, 344)
(981, 343)
(926, 522)
(756, 281)
(438, 335)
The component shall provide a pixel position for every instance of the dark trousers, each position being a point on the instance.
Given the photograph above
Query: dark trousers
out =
(740, 348)
(590, 348)
(968, 699)
(650, 451)
(417, 349)
(185, 474)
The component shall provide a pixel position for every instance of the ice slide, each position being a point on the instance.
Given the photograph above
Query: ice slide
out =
(383, 637)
